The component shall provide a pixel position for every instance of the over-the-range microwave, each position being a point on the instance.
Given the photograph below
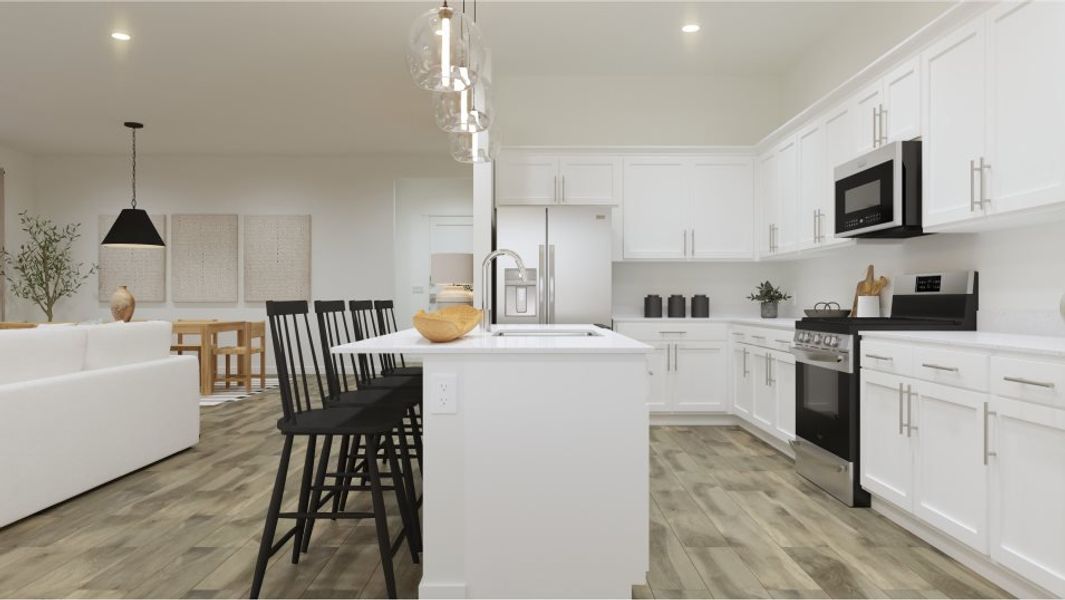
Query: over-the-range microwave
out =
(878, 195)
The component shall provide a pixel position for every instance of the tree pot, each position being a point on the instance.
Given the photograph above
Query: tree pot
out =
(769, 310)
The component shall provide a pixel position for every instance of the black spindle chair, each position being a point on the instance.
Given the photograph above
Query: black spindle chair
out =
(373, 423)
(386, 323)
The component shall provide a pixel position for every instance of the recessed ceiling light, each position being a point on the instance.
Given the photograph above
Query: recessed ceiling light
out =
(690, 28)
(120, 36)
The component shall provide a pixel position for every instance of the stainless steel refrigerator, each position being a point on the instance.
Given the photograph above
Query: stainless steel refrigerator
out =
(568, 252)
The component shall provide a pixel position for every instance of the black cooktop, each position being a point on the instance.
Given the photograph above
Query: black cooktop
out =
(852, 325)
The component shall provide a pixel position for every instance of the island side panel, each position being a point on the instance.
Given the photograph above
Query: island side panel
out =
(538, 485)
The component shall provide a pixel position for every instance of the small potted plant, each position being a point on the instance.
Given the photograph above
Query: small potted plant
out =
(769, 296)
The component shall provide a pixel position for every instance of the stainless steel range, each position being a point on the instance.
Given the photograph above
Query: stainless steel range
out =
(828, 367)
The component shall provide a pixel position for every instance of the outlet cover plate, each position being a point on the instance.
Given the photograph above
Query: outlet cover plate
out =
(443, 394)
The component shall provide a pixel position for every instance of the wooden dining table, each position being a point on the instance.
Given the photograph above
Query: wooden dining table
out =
(207, 330)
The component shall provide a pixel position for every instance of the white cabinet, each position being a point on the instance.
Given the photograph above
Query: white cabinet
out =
(589, 180)
(1027, 530)
(884, 438)
(950, 477)
(994, 129)
(1025, 105)
(765, 198)
(524, 178)
(764, 407)
(786, 197)
(868, 104)
(722, 207)
(689, 367)
(742, 381)
(901, 114)
(688, 208)
(783, 377)
(699, 372)
(953, 71)
(814, 188)
(656, 207)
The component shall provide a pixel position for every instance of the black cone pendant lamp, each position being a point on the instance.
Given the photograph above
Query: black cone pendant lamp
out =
(133, 228)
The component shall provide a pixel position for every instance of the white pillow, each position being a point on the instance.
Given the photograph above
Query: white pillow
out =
(115, 344)
(27, 354)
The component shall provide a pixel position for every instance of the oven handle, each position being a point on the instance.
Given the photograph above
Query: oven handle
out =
(805, 356)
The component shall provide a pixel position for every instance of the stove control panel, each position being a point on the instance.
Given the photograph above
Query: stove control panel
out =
(816, 340)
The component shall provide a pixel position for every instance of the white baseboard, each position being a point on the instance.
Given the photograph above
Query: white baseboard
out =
(441, 590)
(694, 419)
(980, 563)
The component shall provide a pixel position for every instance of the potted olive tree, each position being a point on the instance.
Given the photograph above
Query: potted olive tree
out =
(769, 297)
(43, 270)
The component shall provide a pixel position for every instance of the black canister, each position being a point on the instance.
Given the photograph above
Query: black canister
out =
(678, 306)
(700, 306)
(652, 306)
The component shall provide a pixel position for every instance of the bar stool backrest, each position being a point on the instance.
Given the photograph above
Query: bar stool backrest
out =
(291, 335)
(362, 315)
(335, 328)
(386, 323)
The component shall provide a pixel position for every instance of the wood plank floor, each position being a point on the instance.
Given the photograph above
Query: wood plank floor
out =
(728, 519)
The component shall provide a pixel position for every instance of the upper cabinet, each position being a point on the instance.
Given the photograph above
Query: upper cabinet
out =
(524, 178)
(779, 196)
(994, 127)
(688, 208)
(888, 110)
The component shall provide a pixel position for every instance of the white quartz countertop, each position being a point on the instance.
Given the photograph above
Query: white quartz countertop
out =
(409, 341)
(984, 340)
(781, 323)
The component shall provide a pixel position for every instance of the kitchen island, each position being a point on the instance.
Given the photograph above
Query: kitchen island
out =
(536, 461)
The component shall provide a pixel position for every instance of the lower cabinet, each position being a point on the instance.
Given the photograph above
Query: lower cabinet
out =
(766, 384)
(658, 365)
(1027, 532)
(699, 370)
(985, 469)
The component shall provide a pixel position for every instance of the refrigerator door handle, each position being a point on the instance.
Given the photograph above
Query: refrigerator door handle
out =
(550, 283)
(541, 282)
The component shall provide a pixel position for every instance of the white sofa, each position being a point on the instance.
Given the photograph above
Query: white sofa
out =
(82, 405)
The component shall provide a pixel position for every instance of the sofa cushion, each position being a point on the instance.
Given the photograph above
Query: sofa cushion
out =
(27, 354)
(116, 344)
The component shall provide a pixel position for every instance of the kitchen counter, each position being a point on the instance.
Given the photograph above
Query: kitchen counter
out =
(984, 340)
(780, 323)
(409, 341)
(536, 481)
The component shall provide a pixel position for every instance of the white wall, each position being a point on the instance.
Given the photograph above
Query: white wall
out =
(850, 48)
(1022, 273)
(726, 285)
(350, 201)
(418, 199)
(18, 196)
(634, 111)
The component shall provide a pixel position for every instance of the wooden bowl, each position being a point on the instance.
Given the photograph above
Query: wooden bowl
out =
(447, 324)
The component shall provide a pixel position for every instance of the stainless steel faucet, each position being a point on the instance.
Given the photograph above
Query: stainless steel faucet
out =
(486, 294)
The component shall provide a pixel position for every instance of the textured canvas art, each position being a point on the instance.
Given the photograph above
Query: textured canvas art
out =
(277, 257)
(203, 256)
(142, 270)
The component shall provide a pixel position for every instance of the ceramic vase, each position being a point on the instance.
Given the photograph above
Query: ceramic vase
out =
(769, 310)
(122, 304)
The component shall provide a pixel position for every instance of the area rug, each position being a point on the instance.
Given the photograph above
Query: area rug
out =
(234, 394)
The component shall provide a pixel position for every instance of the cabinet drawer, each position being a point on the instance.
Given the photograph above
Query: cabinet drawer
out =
(887, 357)
(951, 367)
(673, 331)
(1039, 381)
(777, 339)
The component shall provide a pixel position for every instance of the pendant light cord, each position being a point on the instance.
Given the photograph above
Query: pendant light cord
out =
(133, 178)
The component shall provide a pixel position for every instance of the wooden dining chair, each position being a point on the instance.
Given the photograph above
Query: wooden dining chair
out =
(245, 349)
(181, 347)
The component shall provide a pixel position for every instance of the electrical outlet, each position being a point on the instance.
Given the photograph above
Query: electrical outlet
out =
(443, 397)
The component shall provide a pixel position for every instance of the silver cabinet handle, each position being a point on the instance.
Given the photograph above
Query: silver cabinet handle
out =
(939, 367)
(876, 120)
(987, 443)
(672, 332)
(972, 186)
(551, 283)
(554, 191)
(1023, 381)
(984, 168)
(815, 226)
(541, 287)
(737, 333)
(878, 357)
(779, 341)
(685, 242)
(563, 195)
(669, 358)
(693, 242)
(745, 371)
(769, 364)
(909, 411)
(900, 408)
(883, 125)
(676, 362)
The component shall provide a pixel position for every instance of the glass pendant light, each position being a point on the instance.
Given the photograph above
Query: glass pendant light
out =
(133, 228)
(472, 148)
(444, 52)
(468, 111)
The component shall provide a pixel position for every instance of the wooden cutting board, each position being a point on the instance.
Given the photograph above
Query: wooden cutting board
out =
(870, 286)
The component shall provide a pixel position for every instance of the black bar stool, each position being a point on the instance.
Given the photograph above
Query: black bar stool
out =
(386, 323)
(371, 422)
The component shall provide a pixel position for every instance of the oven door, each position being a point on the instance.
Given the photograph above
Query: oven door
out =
(868, 192)
(823, 407)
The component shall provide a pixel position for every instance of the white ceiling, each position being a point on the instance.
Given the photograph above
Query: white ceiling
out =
(330, 78)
